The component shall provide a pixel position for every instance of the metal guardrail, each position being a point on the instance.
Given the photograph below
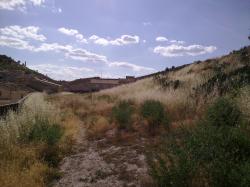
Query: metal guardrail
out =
(12, 106)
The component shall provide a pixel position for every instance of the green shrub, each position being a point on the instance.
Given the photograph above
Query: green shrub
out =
(208, 155)
(223, 112)
(153, 111)
(122, 114)
(43, 131)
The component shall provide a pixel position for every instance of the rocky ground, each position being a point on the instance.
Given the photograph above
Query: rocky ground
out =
(99, 163)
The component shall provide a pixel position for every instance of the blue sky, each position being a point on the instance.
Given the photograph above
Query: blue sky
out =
(114, 38)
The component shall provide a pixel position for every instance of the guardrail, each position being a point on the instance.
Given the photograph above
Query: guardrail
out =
(12, 106)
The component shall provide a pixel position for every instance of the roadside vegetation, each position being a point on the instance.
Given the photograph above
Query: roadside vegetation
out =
(32, 143)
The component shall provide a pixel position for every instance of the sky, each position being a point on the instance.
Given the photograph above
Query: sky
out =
(71, 39)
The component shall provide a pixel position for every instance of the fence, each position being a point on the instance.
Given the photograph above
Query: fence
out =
(12, 106)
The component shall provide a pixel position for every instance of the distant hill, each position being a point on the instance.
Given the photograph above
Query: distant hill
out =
(17, 80)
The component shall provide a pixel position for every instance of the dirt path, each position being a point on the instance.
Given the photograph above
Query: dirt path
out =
(99, 164)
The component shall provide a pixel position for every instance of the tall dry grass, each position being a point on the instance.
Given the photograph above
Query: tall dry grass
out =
(25, 161)
(243, 101)
(181, 103)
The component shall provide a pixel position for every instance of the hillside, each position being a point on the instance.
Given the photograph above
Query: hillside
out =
(165, 128)
(212, 77)
(17, 80)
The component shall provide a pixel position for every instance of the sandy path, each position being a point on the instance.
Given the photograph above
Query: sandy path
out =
(92, 165)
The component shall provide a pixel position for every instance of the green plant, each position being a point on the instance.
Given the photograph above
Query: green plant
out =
(207, 155)
(122, 114)
(223, 112)
(43, 131)
(153, 111)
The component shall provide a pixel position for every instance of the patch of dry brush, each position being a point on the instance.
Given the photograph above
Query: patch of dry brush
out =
(32, 142)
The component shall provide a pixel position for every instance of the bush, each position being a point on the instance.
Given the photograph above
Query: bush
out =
(223, 112)
(43, 131)
(153, 111)
(122, 114)
(211, 154)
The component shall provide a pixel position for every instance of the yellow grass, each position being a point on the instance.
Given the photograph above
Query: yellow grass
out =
(20, 163)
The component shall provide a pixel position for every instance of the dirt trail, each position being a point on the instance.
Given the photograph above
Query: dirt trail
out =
(99, 164)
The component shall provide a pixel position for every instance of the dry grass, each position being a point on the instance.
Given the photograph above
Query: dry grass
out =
(180, 103)
(21, 163)
(243, 101)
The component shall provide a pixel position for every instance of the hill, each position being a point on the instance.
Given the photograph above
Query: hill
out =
(17, 80)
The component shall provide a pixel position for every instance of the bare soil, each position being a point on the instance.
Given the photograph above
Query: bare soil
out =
(100, 163)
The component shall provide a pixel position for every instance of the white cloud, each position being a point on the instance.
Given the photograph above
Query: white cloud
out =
(180, 50)
(134, 67)
(59, 10)
(123, 40)
(73, 53)
(66, 72)
(14, 37)
(73, 32)
(147, 23)
(93, 37)
(161, 39)
(53, 47)
(177, 41)
(30, 32)
(16, 43)
(70, 32)
(19, 4)
(84, 55)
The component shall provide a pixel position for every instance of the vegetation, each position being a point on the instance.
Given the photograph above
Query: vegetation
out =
(8, 64)
(223, 112)
(214, 153)
(154, 112)
(32, 143)
(122, 114)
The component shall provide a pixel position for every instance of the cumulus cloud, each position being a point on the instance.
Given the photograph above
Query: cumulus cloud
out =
(84, 55)
(134, 67)
(16, 43)
(19, 38)
(19, 4)
(161, 39)
(59, 71)
(15, 31)
(73, 32)
(123, 40)
(93, 37)
(177, 41)
(71, 52)
(180, 50)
